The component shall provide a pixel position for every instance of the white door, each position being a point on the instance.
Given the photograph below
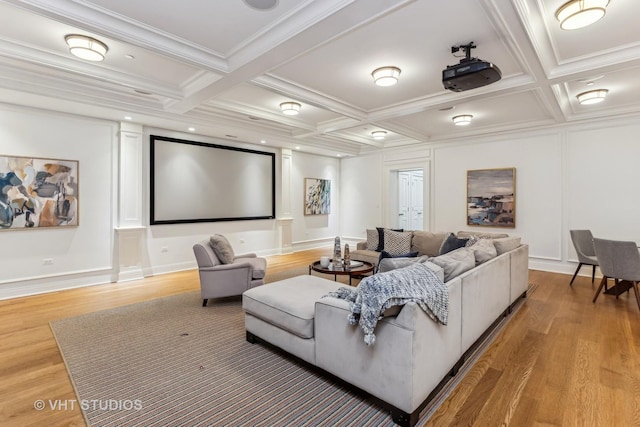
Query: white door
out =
(410, 200)
(404, 200)
(416, 206)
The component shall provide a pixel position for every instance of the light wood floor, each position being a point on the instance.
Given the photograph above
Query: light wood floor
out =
(561, 360)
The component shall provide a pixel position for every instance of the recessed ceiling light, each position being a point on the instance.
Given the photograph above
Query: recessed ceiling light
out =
(85, 47)
(130, 56)
(290, 108)
(142, 92)
(576, 14)
(297, 147)
(592, 96)
(231, 136)
(378, 134)
(262, 141)
(128, 118)
(253, 118)
(385, 76)
(462, 120)
(339, 155)
(192, 129)
(447, 108)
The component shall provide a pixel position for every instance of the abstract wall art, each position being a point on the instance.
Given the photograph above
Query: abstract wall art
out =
(317, 196)
(36, 193)
(491, 197)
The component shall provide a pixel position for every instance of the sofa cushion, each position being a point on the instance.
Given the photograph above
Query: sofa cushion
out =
(455, 262)
(289, 304)
(373, 237)
(397, 242)
(365, 255)
(467, 234)
(452, 243)
(484, 250)
(222, 248)
(506, 244)
(384, 255)
(427, 243)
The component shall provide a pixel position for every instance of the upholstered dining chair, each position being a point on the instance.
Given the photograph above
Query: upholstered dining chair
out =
(619, 260)
(224, 274)
(583, 243)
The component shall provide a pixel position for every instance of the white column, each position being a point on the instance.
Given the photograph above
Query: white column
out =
(285, 216)
(129, 231)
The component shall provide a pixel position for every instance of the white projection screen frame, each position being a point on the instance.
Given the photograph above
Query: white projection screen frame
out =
(200, 182)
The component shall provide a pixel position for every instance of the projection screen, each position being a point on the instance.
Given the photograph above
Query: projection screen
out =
(199, 182)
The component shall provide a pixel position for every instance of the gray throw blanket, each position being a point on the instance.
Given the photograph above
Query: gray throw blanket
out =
(416, 283)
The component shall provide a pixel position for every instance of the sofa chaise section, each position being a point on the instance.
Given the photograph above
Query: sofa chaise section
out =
(411, 355)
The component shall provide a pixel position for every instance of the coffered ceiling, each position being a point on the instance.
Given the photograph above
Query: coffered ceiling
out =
(223, 67)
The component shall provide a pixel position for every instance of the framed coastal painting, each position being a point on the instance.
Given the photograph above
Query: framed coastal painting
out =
(491, 197)
(317, 196)
(37, 193)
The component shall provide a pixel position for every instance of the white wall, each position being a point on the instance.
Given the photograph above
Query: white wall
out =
(87, 254)
(81, 255)
(314, 230)
(573, 176)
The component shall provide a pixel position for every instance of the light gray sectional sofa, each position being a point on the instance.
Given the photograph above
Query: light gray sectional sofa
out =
(412, 354)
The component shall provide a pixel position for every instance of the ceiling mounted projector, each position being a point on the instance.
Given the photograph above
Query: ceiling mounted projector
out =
(470, 73)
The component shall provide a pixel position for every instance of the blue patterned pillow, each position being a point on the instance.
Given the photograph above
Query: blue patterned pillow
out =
(452, 243)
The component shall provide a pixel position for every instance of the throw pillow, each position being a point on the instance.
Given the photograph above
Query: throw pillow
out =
(222, 248)
(455, 262)
(380, 246)
(451, 244)
(397, 242)
(484, 250)
(372, 240)
(427, 243)
(506, 244)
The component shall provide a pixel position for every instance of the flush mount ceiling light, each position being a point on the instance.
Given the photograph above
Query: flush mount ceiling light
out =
(261, 4)
(386, 76)
(592, 96)
(576, 14)
(378, 134)
(85, 47)
(290, 108)
(462, 120)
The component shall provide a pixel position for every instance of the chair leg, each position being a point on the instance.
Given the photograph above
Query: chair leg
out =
(575, 274)
(635, 290)
(602, 284)
(593, 274)
(204, 302)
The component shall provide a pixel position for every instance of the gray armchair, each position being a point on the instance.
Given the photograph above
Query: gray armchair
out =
(619, 261)
(219, 280)
(583, 243)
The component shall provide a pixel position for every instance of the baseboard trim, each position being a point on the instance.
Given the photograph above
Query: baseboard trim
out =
(53, 283)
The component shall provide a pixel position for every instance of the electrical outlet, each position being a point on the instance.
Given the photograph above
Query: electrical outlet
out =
(164, 249)
(47, 261)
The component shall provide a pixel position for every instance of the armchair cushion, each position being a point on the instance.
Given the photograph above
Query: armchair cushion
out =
(222, 248)
(259, 266)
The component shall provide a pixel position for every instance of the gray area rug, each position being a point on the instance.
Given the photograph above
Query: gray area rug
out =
(172, 362)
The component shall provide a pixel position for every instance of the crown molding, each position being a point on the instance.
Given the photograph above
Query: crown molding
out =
(104, 22)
